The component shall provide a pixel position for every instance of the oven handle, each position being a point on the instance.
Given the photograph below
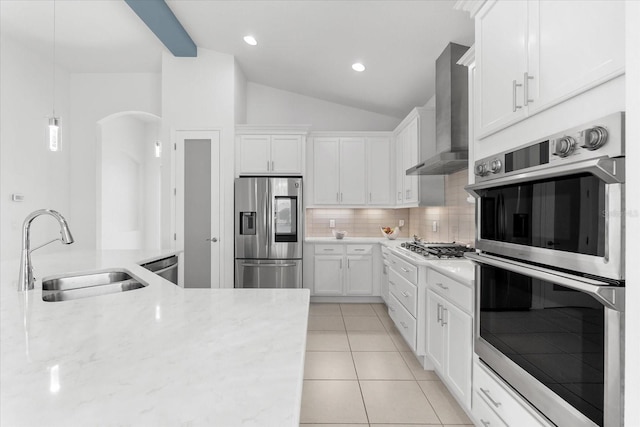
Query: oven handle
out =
(608, 295)
(609, 170)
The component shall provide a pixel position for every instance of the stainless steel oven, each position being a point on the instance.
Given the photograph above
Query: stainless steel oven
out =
(549, 280)
(556, 338)
(557, 201)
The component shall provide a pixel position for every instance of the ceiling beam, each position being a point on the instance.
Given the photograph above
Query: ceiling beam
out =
(164, 24)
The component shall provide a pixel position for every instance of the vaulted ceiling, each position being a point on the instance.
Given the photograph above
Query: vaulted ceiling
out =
(306, 47)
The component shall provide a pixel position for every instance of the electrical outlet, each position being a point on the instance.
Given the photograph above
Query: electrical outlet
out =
(401, 223)
(332, 223)
(434, 226)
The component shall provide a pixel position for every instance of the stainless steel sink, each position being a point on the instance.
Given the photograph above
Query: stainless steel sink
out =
(89, 285)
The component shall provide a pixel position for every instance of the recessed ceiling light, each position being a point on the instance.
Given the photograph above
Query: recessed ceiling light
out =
(358, 67)
(250, 40)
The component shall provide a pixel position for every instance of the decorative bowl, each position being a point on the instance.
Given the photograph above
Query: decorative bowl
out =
(338, 234)
(390, 233)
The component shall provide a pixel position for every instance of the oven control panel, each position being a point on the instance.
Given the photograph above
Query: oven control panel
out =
(600, 138)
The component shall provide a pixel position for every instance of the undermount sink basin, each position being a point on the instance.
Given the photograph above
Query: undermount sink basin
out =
(89, 285)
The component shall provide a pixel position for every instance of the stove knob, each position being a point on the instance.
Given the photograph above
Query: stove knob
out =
(481, 169)
(496, 166)
(595, 138)
(564, 146)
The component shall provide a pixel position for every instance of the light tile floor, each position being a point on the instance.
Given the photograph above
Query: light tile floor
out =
(360, 372)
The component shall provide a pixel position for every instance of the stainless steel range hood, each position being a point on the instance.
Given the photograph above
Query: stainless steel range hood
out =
(452, 116)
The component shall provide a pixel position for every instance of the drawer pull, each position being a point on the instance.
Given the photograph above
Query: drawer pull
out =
(328, 250)
(493, 402)
(391, 308)
(404, 294)
(404, 269)
(393, 261)
(444, 311)
(485, 423)
(404, 325)
(391, 283)
(359, 250)
(442, 286)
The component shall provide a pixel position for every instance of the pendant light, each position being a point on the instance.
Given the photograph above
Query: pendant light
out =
(53, 127)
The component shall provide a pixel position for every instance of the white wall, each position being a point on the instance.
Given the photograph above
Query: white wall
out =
(267, 105)
(632, 333)
(94, 97)
(26, 166)
(129, 200)
(198, 94)
(240, 91)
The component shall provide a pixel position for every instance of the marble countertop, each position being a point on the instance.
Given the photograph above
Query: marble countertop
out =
(160, 355)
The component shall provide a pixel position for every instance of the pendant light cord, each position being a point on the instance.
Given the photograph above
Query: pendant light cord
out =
(54, 58)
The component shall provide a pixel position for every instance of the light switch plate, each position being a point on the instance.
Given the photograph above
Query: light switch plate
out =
(401, 223)
(332, 223)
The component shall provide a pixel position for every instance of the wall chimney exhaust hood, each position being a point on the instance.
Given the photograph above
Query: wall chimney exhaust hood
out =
(452, 116)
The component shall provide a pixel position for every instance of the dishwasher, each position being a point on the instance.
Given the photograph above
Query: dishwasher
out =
(166, 268)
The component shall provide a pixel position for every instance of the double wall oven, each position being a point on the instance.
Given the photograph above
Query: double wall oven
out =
(550, 271)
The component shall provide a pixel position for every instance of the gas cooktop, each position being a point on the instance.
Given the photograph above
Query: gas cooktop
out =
(436, 250)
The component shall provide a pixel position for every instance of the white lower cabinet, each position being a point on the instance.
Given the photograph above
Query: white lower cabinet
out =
(403, 299)
(340, 270)
(449, 335)
(494, 404)
(404, 321)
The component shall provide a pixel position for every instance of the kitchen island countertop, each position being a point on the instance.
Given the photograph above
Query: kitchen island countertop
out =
(160, 355)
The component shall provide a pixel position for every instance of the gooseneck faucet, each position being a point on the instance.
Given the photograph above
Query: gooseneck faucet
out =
(26, 279)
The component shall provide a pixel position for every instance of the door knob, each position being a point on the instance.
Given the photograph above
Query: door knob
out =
(213, 239)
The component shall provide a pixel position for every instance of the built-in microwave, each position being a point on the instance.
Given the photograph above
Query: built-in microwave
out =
(556, 338)
(558, 201)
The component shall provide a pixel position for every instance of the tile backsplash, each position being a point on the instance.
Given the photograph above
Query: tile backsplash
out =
(453, 222)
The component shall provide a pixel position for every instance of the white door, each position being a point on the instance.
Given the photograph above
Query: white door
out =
(326, 163)
(501, 58)
(458, 349)
(197, 168)
(254, 154)
(359, 275)
(327, 275)
(352, 171)
(435, 330)
(379, 170)
(286, 154)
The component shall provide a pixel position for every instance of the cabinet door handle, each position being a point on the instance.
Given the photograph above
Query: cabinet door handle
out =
(340, 264)
(442, 286)
(485, 423)
(337, 197)
(525, 88)
(486, 393)
(515, 104)
(404, 294)
(391, 283)
(404, 269)
(348, 263)
(404, 325)
(439, 313)
(444, 312)
(399, 195)
(267, 164)
(341, 197)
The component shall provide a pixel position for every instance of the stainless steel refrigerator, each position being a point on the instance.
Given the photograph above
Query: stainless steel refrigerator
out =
(268, 232)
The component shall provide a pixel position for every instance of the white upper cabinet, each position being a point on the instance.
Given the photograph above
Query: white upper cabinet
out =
(416, 140)
(269, 150)
(352, 170)
(326, 171)
(501, 41)
(379, 162)
(531, 55)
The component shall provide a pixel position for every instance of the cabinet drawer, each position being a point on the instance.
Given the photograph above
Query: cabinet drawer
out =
(329, 249)
(404, 291)
(497, 396)
(452, 290)
(359, 249)
(404, 321)
(484, 414)
(405, 269)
